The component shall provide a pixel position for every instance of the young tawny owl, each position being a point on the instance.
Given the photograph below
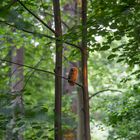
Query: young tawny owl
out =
(73, 75)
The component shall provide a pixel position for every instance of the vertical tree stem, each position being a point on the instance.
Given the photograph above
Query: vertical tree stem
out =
(84, 71)
(58, 70)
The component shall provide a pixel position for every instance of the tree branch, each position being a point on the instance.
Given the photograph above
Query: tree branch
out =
(37, 69)
(35, 16)
(29, 77)
(61, 21)
(114, 90)
(39, 34)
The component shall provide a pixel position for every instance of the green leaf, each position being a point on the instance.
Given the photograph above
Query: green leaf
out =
(104, 48)
(36, 126)
(120, 60)
(118, 37)
(39, 133)
(113, 26)
(111, 56)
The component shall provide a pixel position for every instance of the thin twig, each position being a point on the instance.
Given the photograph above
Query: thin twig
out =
(62, 20)
(114, 90)
(29, 72)
(41, 35)
(29, 77)
(66, 59)
(37, 69)
(48, 13)
(36, 16)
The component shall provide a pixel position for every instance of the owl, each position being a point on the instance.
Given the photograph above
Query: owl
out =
(73, 75)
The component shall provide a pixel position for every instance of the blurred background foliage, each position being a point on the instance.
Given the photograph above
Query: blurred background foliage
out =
(113, 67)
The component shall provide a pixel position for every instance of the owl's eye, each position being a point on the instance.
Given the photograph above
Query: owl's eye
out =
(72, 69)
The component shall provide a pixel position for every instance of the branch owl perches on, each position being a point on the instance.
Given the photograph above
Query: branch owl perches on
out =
(73, 75)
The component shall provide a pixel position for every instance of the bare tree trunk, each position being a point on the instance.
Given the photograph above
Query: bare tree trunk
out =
(17, 71)
(16, 89)
(77, 105)
(84, 71)
(58, 71)
(80, 129)
(80, 106)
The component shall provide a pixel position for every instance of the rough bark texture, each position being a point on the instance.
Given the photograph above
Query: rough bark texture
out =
(84, 71)
(58, 70)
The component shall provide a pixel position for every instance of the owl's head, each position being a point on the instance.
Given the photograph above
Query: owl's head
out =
(74, 70)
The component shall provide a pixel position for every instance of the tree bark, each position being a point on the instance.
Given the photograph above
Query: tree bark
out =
(85, 71)
(16, 88)
(80, 129)
(58, 70)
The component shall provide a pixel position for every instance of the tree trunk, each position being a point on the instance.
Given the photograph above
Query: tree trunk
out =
(58, 71)
(84, 71)
(16, 89)
(80, 129)
(74, 8)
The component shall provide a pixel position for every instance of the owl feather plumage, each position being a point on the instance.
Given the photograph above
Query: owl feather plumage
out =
(72, 77)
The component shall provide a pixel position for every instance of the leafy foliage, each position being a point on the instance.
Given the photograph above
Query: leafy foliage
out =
(114, 62)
